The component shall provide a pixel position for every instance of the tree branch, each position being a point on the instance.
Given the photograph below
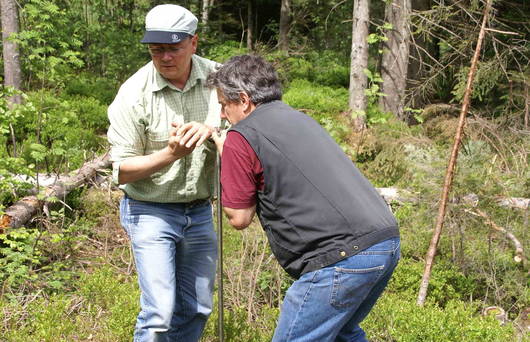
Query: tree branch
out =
(519, 252)
(431, 252)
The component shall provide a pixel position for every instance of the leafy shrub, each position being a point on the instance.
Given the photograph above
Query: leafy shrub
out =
(117, 52)
(326, 68)
(386, 167)
(306, 95)
(381, 152)
(222, 52)
(61, 130)
(447, 283)
(100, 90)
(11, 114)
(397, 318)
(324, 104)
(92, 114)
(11, 187)
(19, 253)
(51, 48)
(30, 258)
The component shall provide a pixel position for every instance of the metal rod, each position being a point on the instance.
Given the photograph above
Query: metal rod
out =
(220, 300)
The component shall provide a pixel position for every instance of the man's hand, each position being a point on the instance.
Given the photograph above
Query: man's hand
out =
(191, 134)
(182, 141)
(175, 147)
(240, 218)
(183, 138)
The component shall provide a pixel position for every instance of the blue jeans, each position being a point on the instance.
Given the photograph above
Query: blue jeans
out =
(327, 305)
(175, 251)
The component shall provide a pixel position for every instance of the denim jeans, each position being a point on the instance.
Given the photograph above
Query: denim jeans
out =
(327, 305)
(175, 251)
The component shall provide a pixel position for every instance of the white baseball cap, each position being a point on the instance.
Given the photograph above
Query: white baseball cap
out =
(169, 24)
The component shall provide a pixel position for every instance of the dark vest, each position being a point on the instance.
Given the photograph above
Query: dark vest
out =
(316, 207)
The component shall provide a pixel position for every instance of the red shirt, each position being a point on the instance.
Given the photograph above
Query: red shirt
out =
(241, 173)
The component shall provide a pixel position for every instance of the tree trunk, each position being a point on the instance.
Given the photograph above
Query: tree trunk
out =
(205, 13)
(12, 73)
(359, 62)
(285, 25)
(422, 51)
(395, 57)
(250, 25)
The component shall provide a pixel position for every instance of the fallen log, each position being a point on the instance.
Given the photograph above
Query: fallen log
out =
(396, 195)
(390, 195)
(403, 196)
(22, 211)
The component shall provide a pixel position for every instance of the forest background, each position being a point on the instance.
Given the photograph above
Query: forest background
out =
(387, 79)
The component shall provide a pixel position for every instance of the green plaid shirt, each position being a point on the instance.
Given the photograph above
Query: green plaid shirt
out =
(140, 119)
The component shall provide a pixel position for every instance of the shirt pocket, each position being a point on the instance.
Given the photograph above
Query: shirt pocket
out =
(155, 141)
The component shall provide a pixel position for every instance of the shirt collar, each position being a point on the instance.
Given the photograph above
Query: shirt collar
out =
(197, 73)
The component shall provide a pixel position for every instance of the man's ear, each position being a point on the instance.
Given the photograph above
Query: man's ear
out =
(245, 101)
(194, 40)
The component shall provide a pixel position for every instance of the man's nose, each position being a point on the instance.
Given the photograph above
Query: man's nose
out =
(166, 55)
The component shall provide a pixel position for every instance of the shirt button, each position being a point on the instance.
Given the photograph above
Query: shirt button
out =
(342, 253)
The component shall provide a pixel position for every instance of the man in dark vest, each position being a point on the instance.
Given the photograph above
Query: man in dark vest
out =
(326, 224)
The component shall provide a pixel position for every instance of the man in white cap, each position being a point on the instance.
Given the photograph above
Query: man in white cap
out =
(160, 122)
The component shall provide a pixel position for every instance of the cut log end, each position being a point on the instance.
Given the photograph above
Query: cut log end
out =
(5, 222)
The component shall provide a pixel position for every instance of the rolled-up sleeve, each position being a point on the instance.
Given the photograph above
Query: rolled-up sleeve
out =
(126, 133)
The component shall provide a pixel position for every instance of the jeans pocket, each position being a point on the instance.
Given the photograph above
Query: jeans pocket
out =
(351, 285)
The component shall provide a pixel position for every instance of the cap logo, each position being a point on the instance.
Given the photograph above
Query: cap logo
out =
(175, 38)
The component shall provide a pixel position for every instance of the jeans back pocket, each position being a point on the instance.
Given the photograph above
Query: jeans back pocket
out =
(352, 285)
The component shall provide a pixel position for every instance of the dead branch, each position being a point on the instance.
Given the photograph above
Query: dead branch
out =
(519, 252)
(514, 202)
(526, 106)
(429, 259)
(391, 195)
(22, 211)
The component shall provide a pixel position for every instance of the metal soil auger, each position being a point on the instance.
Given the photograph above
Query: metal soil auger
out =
(220, 303)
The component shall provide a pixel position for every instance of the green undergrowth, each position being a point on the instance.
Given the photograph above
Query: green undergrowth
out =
(102, 307)
(398, 318)
(104, 304)
(325, 104)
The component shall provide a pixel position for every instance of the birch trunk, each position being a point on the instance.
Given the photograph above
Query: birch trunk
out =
(12, 72)
(250, 25)
(395, 57)
(359, 62)
(285, 25)
(205, 13)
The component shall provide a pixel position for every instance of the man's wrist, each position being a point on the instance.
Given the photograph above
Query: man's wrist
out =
(169, 155)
